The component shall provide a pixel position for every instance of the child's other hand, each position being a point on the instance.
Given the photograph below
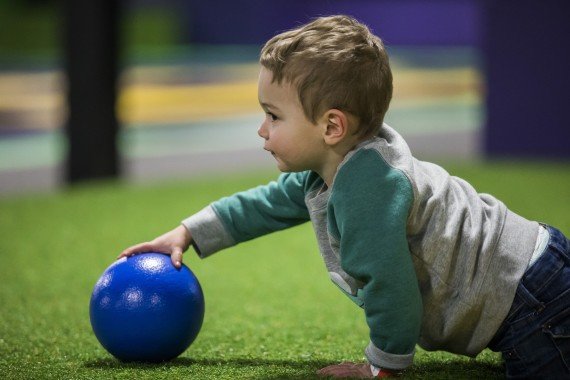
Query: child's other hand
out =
(354, 371)
(173, 243)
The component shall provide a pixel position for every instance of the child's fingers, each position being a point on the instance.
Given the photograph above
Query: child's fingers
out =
(347, 369)
(176, 257)
(139, 248)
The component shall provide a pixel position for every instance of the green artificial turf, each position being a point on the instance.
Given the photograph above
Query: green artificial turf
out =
(271, 311)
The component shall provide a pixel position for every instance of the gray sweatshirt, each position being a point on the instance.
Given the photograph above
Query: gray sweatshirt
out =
(429, 259)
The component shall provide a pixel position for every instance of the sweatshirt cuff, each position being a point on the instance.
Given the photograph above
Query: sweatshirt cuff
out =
(208, 232)
(382, 359)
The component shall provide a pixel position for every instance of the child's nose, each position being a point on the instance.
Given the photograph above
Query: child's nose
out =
(262, 131)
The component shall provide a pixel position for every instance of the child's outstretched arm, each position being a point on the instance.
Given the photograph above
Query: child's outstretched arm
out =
(234, 219)
(174, 243)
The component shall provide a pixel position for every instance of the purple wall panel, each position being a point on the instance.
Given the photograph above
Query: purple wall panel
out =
(404, 22)
(527, 69)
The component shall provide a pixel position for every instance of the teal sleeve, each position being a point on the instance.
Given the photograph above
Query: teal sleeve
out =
(264, 209)
(367, 214)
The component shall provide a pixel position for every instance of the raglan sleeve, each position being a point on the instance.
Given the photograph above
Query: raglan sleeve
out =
(249, 214)
(367, 214)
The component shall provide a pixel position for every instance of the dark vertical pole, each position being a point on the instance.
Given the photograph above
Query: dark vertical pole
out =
(527, 64)
(91, 45)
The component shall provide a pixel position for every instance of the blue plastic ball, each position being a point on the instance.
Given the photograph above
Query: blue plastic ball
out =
(145, 309)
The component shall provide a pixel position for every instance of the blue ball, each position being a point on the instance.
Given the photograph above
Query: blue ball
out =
(145, 309)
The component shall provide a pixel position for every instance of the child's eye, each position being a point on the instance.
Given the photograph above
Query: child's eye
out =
(272, 116)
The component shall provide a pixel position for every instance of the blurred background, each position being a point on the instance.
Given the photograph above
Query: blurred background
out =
(148, 90)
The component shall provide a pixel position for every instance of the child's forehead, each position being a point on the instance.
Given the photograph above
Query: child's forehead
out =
(268, 75)
(268, 85)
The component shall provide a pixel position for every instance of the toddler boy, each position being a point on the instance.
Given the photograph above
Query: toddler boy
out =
(431, 261)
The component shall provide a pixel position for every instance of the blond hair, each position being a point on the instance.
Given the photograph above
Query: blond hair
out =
(334, 62)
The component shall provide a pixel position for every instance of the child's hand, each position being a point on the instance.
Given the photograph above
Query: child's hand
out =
(174, 243)
(354, 371)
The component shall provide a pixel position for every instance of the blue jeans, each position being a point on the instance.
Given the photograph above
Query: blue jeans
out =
(535, 337)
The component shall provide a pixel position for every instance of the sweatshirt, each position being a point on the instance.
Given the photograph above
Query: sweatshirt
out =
(430, 260)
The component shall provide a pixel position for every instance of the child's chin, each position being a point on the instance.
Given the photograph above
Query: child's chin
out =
(283, 168)
(287, 169)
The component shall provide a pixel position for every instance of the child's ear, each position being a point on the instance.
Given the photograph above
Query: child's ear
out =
(336, 126)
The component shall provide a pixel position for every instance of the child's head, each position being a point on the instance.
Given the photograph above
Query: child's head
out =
(334, 62)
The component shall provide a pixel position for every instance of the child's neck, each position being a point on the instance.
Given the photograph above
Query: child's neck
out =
(335, 157)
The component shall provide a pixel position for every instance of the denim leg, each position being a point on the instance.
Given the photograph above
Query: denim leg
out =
(535, 337)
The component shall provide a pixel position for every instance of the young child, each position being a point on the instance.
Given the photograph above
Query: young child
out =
(431, 261)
